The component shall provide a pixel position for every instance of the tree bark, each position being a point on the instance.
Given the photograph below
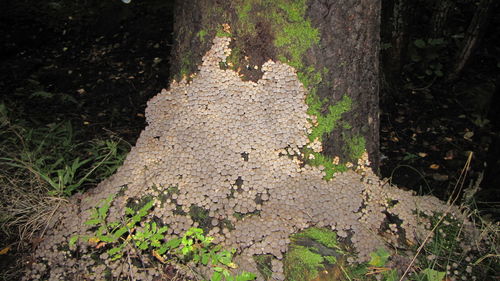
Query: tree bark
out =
(333, 45)
(440, 17)
(473, 36)
(397, 16)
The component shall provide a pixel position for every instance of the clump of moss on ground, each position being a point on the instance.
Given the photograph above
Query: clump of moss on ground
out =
(311, 251)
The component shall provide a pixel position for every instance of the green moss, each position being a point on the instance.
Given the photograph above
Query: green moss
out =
(137, 204)
(173, 189)
(324, 236)
(354, 146)
(240, 216)
(235, 55)
(302, 264)
(326, 122)
(296, 35)
(222, 33)
(186, 65)
(200, 215)
(264, 265)
(201, 35)
(243, 12)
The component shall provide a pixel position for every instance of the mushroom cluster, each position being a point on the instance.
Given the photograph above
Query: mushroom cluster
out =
(219, 141)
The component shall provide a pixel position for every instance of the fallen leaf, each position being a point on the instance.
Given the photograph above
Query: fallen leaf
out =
(158, 257)
(422, 154)
(440, 177)
(449, 155)
(4, 250)
(100, 245)
(434, 166)
(468, 135)
(94, 240)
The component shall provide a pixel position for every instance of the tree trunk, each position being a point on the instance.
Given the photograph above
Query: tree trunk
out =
(334, 50)
(473, 36)
(397, 16)
(440, 17)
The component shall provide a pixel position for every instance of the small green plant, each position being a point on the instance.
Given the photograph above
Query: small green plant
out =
(192, 246)
(427, 58)
(429, 274)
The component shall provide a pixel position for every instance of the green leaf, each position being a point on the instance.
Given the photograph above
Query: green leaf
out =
(119, 233)
(246, 276)
(216, 276)
(205, 258)
(144, 210)
(129, 211)
(73, 239)
(92, 222)
(391, 275)
(379, 257)
(196, 258)
(162, 249)
(163, 229)
(173, 243)
(433, 275)
(226, 273)
(114, 250)
(106, 238)
(419, 43)
(118, 256)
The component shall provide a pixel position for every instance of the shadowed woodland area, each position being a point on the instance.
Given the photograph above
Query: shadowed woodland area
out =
(76, 76)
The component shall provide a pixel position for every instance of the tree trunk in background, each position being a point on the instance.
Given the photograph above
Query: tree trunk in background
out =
(333, 45)
(440, 17)
(397, 16)
(473, 36)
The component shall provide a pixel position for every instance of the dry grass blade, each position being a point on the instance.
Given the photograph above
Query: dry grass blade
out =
(452, 200)
(26, 210)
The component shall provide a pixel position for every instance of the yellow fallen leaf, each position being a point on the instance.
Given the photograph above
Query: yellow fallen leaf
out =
(94, 240)
(158, 257)
(434, 166)
(4, 250)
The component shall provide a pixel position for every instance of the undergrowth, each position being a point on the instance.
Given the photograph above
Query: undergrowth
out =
(42, 164)
(133, 232)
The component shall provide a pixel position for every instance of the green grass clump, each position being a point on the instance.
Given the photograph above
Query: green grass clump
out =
(40, 164)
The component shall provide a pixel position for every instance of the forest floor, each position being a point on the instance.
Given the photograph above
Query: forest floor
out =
(98, 68)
